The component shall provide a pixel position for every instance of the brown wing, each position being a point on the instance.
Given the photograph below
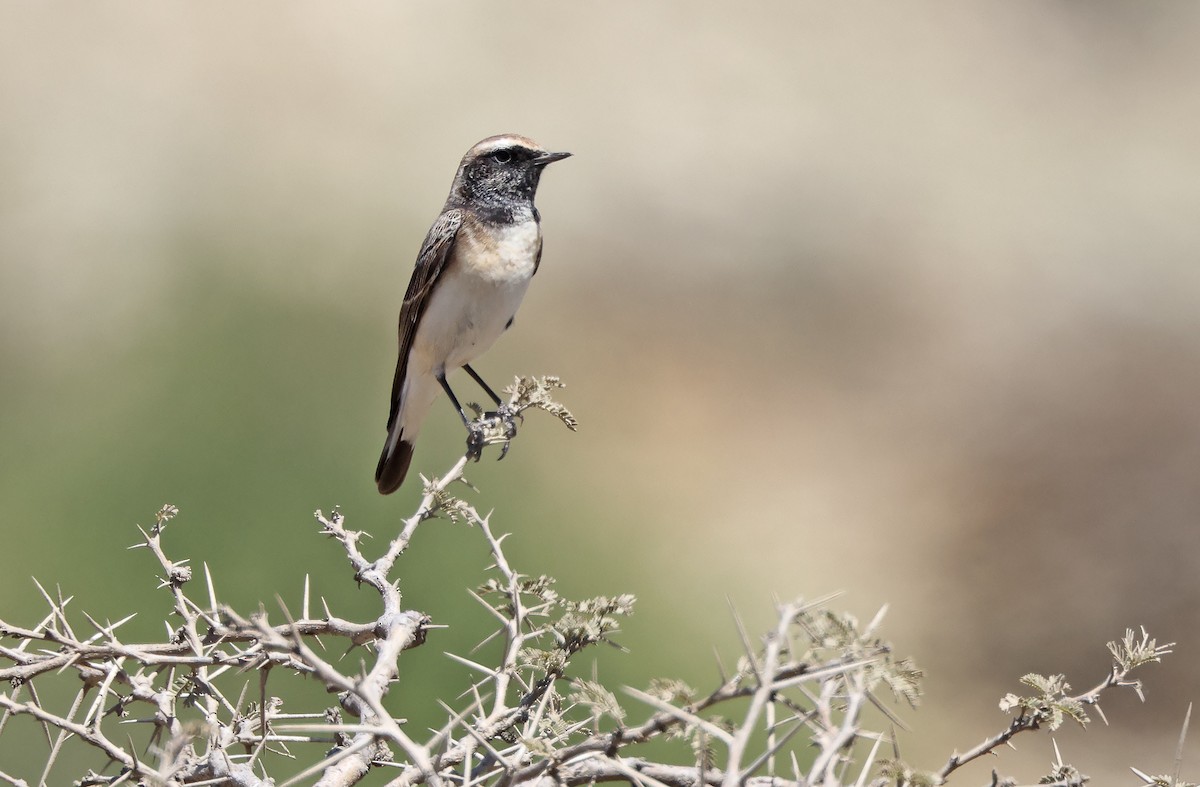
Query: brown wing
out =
(431, 261)
(537, 260)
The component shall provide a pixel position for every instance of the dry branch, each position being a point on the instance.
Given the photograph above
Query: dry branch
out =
(801, 708)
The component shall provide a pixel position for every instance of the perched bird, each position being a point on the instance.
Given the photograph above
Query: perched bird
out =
(471, 274)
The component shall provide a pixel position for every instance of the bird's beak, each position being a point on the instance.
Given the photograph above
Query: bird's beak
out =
(549, 158)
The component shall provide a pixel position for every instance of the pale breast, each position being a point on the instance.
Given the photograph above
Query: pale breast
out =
(503, 254)
(477, 294)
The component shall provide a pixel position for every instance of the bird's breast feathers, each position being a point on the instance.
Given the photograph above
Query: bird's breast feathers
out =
(503, 254)
(477, 295)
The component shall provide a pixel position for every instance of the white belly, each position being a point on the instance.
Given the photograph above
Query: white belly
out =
(475, 298)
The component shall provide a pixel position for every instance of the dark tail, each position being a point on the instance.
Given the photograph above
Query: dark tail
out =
(392, 468)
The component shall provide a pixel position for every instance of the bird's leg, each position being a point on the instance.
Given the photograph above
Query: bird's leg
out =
(486, 388)
(501, 421)
(441, 378)
(476, 433)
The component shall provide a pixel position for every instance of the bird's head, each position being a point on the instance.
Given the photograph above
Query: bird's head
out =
(502, 173)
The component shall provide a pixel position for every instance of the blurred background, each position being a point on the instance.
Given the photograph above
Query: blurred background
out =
(899, 300)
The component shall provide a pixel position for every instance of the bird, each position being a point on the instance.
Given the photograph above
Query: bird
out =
(471, 274)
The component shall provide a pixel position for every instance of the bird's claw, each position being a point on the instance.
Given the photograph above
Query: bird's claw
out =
(497, 426)
(506, 417)
(476, 439)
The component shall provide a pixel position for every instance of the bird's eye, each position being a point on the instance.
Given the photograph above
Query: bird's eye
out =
(502, 156)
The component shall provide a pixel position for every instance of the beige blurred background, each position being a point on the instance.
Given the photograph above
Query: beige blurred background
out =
(896, 299)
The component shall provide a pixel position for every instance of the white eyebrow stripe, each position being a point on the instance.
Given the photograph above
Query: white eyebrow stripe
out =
(505, 141)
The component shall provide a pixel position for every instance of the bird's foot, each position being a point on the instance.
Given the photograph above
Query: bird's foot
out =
(507, 422)
(476, 439)
(496, 426)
